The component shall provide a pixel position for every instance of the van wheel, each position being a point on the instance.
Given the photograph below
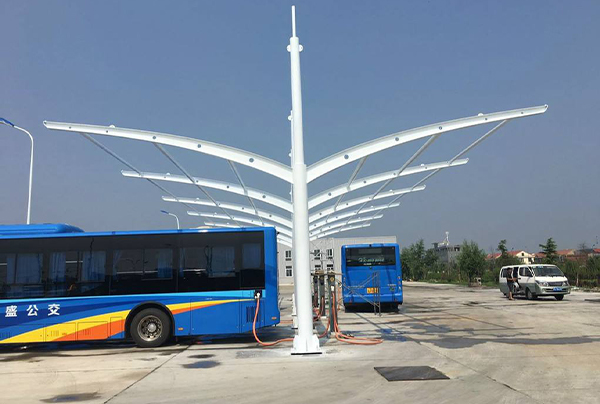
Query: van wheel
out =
(528, 294)
(559, 297)
(150, 328)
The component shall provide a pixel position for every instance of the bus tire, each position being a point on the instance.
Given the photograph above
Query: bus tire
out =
(150, 328)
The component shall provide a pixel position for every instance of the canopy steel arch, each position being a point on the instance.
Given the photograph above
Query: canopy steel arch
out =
(452, 160)
(351, 154)
(185, 172)
(400, 170)
(243, 219)
(341, 216)
(249, 159)
(220, 185)
(129, 165)
(342, 189)
(348, 228)
(232, 206)
(341, 224)
(365, 199)
(280, 238)
(298, 175)
(239, 178)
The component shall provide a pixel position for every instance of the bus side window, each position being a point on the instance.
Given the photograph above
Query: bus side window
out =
(253, 270)
(158, 263)
(23, 275)
(127, 271)
(92, 280)
(62, 276)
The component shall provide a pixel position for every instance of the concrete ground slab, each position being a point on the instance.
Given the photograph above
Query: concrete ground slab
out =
(493, 351)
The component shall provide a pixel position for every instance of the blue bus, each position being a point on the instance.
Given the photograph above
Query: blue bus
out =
(58, 283)
(371, 273)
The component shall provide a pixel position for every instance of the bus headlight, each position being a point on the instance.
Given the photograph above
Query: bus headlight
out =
(542, 283)
(566, 283)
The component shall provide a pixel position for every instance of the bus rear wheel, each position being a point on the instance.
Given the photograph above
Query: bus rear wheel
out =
(150, 328)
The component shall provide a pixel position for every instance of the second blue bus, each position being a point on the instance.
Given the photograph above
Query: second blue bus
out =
(372, 274)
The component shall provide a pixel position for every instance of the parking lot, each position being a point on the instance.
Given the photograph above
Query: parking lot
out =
(492, 350)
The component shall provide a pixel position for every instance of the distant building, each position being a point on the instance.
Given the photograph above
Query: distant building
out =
(569, 254)
(326, 253)
(523, 256)
(446, 253)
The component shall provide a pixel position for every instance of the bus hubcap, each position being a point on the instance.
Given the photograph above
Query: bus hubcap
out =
(150, 328)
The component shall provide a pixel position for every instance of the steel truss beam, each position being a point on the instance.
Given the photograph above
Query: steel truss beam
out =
(363, 199)
(459, 155)
(239, 156)
(187, 174)
(377, 178)
(220, 185)
(351, 154)
(345, 215)
(243, 219)
(452, 160)
(129, 165)
(280, 237)
(348, 228)
(232, 206)
(342, 224)
(239, 178)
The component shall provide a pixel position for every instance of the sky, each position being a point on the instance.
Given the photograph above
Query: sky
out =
(219, 71)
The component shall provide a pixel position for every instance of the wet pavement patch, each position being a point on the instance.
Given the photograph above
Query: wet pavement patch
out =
(202, 356)
(408, 373)
(202, 365)
(71, 398)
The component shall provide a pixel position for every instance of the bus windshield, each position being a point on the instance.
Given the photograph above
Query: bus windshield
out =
(549, 270)
(372, 256)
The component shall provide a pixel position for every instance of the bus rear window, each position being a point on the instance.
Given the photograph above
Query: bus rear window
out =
(370, 256)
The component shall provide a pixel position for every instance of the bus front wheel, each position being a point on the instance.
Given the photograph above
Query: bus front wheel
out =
(150, 328)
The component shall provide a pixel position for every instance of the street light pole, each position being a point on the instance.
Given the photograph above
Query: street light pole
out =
(171, 214)
(8, 123)
(305, 340)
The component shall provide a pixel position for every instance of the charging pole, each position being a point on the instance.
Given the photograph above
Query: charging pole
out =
(305, 342)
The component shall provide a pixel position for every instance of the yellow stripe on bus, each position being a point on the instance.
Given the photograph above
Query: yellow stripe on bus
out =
(58, 331)
(63, 330)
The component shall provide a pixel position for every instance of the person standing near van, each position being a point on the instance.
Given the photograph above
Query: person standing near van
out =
(510, 282)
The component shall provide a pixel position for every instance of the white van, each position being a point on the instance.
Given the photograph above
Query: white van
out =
(535, 280)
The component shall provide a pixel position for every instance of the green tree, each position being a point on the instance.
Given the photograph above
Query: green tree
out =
(431, 259)
(505, 258)
(549, 250)
(471, 260)
(502, 248)
(412, 260)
